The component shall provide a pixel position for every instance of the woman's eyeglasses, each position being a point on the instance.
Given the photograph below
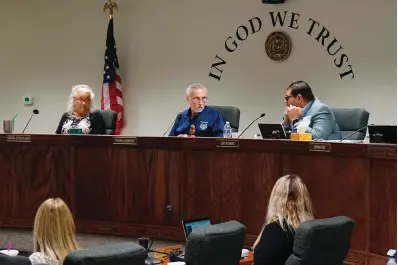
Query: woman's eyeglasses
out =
(81, 100)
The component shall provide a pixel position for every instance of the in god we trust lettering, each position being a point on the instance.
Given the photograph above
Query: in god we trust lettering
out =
(290, 20)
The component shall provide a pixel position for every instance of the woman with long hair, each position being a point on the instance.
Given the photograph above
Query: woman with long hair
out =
(288, 207)
(81, 113)
(53, 233)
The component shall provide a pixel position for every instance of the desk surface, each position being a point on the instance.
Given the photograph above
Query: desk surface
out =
(145, 186)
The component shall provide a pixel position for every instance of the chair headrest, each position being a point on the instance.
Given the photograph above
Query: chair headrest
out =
(115, 254)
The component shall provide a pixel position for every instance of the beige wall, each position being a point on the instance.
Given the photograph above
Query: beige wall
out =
(163, 46)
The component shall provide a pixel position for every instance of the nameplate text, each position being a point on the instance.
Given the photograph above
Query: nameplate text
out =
(227, 143)
(320, 147)
(19, 138)
(125, 140)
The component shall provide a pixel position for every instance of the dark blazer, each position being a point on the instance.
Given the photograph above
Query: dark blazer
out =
(96, 120)
(275, 245)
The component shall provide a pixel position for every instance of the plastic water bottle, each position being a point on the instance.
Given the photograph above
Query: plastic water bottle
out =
(227, 130)
(392, 257)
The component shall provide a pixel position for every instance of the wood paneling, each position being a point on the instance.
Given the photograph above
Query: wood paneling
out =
(148, 188)
(383, 205)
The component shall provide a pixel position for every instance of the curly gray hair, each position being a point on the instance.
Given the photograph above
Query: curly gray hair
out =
(76, 90)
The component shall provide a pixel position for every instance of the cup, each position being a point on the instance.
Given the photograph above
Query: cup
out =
(143, 242)
(294, 136)
(11, 252)
(305, 136)
(8, 126)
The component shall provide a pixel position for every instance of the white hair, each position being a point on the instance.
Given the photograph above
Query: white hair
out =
(77, 89)
(189, 89)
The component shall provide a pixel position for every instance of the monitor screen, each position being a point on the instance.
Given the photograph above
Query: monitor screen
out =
(191, 225)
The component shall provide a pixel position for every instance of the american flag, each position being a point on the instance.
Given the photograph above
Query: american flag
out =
(112, 94)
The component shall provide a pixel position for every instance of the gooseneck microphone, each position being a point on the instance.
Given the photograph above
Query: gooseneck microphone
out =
(357, 131)
(262, 115)
(171, 125)
(35, 111)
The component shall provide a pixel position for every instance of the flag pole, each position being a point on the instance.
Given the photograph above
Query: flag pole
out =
(110, 5)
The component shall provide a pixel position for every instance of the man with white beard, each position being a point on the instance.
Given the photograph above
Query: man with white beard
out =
(198, 120)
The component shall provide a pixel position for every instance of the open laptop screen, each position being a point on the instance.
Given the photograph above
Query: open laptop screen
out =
(272, 131)
(190, 225)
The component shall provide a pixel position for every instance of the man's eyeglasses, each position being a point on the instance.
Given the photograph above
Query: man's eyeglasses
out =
(288, 97)
(197, 99)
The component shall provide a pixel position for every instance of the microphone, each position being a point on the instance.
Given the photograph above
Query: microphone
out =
(35, 111)
(262, 115)
(357, 131)
(177, 118)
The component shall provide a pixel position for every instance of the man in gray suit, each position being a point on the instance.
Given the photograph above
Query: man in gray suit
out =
(301, 102)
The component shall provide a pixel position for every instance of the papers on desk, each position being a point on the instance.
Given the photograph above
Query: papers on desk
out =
(176, 263)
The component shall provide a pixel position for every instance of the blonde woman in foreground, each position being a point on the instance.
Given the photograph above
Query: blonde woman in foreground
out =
(288, 207)
(53, 233)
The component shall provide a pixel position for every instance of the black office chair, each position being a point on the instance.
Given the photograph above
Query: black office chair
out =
(110, 119)
(216, 244)
(116, 254)
(231, 114)
(322, 241)
(18, 260)
(350, 120)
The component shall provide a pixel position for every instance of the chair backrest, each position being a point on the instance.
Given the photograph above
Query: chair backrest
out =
(110, 118)
(115, 254)
(215, 244)
(322, 241)
(350, 120)
(231, 114)
(19, 260)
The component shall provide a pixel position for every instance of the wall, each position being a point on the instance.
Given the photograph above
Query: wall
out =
(163, 46)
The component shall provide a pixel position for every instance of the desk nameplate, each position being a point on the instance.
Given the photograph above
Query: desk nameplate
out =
(12, 138)
(320, 147)
(125, 140)
(227, 143)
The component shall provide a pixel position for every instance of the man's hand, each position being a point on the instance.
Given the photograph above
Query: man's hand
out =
(293, 112)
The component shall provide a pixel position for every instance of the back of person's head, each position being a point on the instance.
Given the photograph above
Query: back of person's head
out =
(289, 203)
(54, 230)
(303, 89)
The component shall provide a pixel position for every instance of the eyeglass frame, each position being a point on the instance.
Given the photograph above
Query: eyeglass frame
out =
(80, 100)
(197, 99)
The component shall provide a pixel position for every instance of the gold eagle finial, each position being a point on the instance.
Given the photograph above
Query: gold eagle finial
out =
(110, 5)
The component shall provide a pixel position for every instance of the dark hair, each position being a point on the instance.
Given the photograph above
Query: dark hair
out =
(302, 88)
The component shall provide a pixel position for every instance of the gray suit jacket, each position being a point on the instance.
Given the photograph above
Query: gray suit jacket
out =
(323, 123)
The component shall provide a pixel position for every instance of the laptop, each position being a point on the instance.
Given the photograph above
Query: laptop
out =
(190, 225)
(272, 131)
(383, 134)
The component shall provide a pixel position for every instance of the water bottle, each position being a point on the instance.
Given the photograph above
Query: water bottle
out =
(227, 130)
(392, 257)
